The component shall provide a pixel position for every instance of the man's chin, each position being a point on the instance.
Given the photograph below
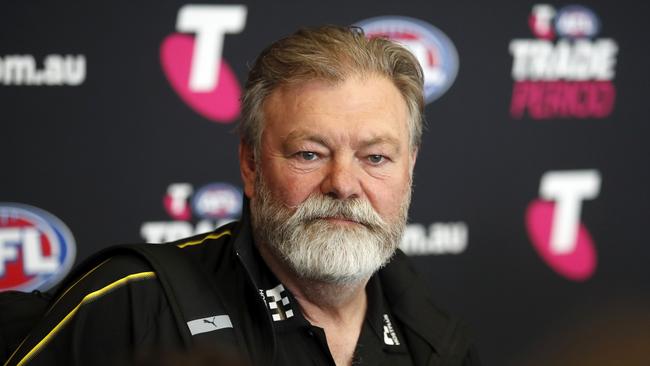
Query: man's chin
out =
(323, 272)
(337, 226)
(335, 279)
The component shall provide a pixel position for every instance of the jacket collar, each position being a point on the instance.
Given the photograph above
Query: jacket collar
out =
(243, 244)
(244, 249)
(410, 302)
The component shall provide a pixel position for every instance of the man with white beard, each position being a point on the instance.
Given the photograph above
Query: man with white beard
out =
(311, 275)
(330, 133)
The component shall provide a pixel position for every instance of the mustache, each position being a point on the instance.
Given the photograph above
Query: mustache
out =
(318, 207)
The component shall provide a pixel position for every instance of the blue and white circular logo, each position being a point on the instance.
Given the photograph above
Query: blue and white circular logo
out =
(576, 21)
(436, 53)
(217, 201)
(36, 248)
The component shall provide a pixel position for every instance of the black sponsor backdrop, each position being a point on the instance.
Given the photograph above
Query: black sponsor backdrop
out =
(100, 157)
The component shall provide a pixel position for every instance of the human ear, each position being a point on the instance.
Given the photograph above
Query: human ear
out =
(247, 168)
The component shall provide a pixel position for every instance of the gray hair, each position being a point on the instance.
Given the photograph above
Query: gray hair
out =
(330, 53)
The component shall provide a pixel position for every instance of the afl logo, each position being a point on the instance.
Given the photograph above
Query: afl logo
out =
(575, 21)
(36, 248)
(436, 53)
(217, 201)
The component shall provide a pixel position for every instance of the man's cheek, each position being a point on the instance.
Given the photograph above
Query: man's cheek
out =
(290, 194)
(393, 202)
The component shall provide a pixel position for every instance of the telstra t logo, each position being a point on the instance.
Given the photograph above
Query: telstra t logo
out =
(193, 63)
(554, 226)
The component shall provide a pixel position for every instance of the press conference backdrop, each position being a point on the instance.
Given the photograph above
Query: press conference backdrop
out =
(530, 206)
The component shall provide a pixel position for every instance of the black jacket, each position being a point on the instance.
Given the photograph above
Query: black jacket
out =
(118, 310)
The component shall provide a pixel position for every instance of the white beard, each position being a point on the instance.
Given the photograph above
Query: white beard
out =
(317, 249)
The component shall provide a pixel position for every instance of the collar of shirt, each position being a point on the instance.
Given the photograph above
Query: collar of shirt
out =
(380, 319)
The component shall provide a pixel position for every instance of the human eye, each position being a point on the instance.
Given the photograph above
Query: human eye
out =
(307, 155)
(376, 159)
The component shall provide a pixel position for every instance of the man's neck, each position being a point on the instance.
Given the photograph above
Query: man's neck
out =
(320, 301)
(339, 309)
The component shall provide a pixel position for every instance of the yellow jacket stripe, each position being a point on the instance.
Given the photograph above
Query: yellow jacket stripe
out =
(88, 298)
(55, 302)
(200, 241)
(96, 294)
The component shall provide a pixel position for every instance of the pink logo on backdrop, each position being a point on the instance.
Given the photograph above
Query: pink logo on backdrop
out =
(192, 211)
(540, 21)
(578, 264)
(220, 104)
(554, 226)
(194, 66)
(175, 201)
(566, 71)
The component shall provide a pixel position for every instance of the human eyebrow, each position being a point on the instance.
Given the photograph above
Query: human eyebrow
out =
(299, 136)
(382, 140)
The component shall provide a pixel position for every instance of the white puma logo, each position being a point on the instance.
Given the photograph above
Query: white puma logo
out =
(209, 324)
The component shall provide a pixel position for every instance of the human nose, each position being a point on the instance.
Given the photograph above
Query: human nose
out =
(341, 181)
